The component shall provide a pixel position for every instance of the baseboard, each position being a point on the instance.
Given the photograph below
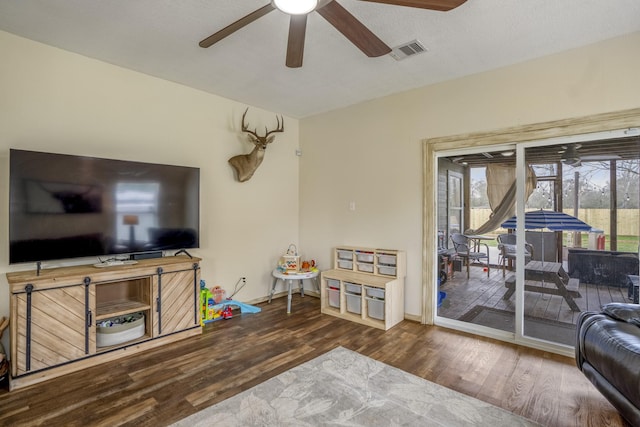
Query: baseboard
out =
(413, 317)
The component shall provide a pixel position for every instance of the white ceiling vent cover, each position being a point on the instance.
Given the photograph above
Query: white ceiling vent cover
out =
(408, 49)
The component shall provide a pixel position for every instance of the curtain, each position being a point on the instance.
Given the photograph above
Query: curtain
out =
(501, 191)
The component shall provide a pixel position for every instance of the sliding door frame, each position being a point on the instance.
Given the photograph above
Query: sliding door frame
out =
(519, 134)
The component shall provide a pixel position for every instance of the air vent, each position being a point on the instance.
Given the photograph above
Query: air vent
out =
(408, 49)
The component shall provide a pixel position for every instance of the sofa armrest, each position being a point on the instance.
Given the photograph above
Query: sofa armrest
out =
(624, 312)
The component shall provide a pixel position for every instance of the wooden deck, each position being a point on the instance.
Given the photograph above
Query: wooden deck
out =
(463, 295)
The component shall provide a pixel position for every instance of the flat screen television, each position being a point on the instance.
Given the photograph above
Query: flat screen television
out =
(65, 206)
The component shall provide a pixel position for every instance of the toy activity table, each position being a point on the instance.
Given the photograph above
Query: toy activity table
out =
(288, 279)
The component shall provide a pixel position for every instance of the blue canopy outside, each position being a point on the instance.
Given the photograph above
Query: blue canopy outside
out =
(552, 220)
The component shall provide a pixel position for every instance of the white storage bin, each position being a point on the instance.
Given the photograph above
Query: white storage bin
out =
(375, 308)
(334, 297)
(364, 256)
(366, 268)
(387, 259)
(345, 254)
(387, 270)
(353, 288)
(333, 283)
(119, 330)
(354, 303)
(348, 265)
(377, 293)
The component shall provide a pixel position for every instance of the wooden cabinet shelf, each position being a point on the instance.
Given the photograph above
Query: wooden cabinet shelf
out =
(143, 338)
(123, 297)
(361, 288)
(55, 315)
(120, 308)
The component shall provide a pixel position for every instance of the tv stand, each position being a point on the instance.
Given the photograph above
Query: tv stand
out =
(58, 314)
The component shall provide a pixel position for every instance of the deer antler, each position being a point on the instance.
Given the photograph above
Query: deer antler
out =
(254, 133)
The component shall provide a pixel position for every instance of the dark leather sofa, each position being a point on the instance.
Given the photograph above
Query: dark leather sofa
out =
(608, 353)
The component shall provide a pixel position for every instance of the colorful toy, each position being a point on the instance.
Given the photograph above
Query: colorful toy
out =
(226, 312)
(4, 364)
(214, 306)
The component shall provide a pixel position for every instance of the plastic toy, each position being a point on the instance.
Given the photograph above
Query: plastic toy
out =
(214, 306)
(4, 364)
(226, 312)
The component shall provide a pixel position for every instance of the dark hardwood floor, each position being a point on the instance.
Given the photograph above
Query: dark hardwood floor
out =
(163, 385)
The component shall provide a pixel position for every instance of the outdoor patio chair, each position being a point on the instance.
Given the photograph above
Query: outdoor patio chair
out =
(468, 251)
(507, 248)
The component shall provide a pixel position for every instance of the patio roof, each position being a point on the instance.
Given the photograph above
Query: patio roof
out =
(612, 149)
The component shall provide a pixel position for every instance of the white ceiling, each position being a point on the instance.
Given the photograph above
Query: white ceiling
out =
(160, 38)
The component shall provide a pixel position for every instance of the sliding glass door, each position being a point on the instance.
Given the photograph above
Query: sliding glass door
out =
(533, 233)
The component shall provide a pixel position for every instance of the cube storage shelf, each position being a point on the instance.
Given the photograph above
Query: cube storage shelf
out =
(365, 286)
(379, 262)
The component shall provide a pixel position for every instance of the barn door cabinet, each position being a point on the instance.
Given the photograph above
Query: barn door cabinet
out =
(55, 316)
(365, 286)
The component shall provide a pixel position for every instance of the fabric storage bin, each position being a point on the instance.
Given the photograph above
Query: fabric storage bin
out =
(387, 259)
(387, 270)
(375, 308)
(348, 265)
(354, 303)
(377, 293)
(345, 254)
(353, 288)
(364, 256)
(364, 267)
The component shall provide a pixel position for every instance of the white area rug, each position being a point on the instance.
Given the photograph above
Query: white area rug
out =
(344, 388)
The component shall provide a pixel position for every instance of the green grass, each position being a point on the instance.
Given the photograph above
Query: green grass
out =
(625, 243)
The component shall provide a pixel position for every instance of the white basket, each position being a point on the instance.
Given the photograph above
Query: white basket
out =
(375, 308)
(333, 283)
(354, 303)
(367, 268)
(353, 288)
(387, 270)
(347, 265)
(345, 254)
(387, 259)
(119, 333)
(364, 256)
(377, 293)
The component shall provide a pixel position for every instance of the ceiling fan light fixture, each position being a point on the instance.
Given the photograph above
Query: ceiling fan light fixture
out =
(295, 7)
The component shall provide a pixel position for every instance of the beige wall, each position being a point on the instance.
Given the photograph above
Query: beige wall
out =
(53, 100)
(371, 153)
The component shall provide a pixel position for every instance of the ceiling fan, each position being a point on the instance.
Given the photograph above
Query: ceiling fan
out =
(335, 14)
(570, 156)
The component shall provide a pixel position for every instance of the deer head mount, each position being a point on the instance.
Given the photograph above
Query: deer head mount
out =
(246, 164)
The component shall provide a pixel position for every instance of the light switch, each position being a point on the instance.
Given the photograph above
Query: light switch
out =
(352, 206)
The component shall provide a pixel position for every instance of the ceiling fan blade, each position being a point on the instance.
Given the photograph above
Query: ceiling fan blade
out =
(353, 29)
(295, 45)
(442, 5)
(230, 29)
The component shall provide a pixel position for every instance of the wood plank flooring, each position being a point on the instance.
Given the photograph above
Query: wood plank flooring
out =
(464, 294)
(163, 385)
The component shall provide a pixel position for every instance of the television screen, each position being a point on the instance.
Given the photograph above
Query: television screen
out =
(64, 206)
